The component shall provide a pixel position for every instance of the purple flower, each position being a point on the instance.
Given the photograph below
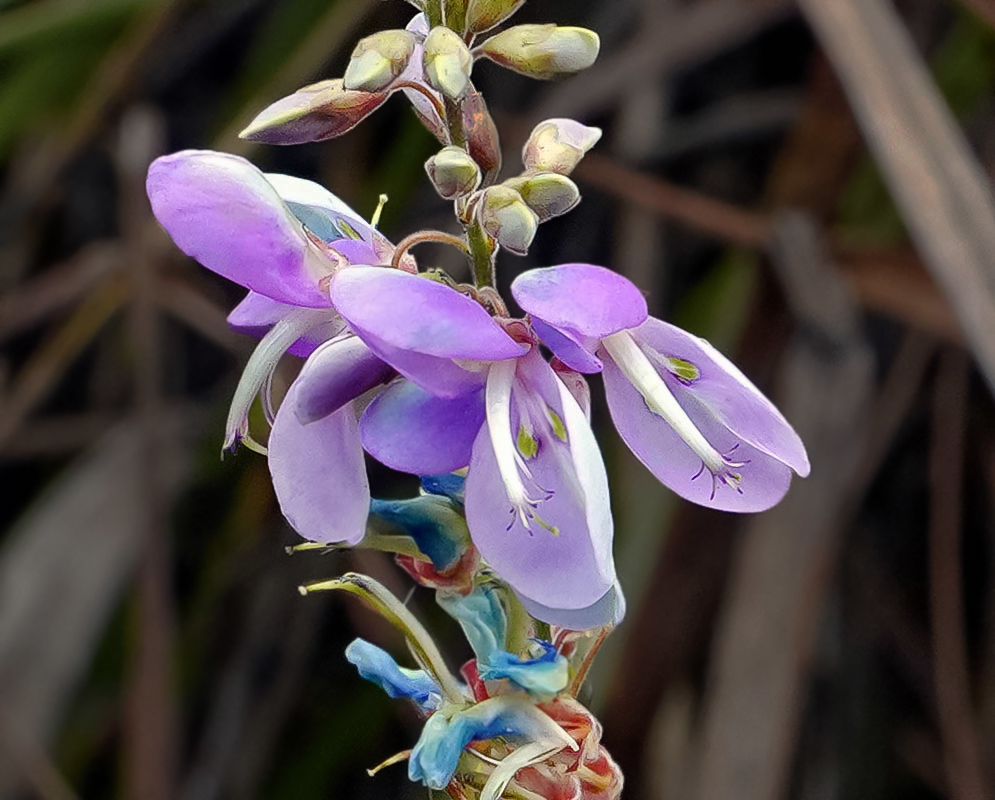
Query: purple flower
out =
(283, 239)
(684, 409)
(536, 491)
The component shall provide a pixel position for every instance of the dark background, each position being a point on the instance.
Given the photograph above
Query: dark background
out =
(806, 185)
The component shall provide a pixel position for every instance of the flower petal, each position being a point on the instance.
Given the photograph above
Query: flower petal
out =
(565, 560)
(319, 474)
(337, 372)
(436, 756)
(413, 431)
(257, 313)
(482, 618)
(222, 211)
(654, 442)
(575, 354)
(726, 392)
(433, 523)
(379, 667)
(584, 299)
(608, 611)
(544, 676)
(421, 315)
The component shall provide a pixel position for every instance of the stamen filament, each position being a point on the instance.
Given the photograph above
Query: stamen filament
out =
(641, 373)
(261, 364)
(497, 396)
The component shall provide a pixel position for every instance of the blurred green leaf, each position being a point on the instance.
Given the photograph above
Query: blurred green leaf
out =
(59, 22)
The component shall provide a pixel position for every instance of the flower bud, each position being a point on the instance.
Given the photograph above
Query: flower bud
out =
(558, 145)
(504, 215)
(482, 15)
(547, 193)
(313, 114)
(448, 62)
(378, 60)
(453, 172)
(482, 138)
(543, 51)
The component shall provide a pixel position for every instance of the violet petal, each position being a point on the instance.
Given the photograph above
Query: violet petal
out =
(222, 211)
(413, 431)
(584, 299)
(319, 474)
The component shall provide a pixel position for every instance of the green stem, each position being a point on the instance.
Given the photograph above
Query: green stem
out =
(481, 255)
(519, 623)
(454, 122)
(433, 12)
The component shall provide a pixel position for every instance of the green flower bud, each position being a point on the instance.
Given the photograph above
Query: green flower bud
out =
(558, 145)
(504, 215)
(448, 62)
(313, 114)
(482, 15)
(378, 60)
(543, 51)
(453, 172)
(547, 193)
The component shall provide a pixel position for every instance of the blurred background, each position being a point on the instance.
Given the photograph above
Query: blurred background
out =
(807, 184)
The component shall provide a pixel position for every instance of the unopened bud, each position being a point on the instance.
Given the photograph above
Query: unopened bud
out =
(543, 51)
(313, 114)
(482, 15)
(448, 62)
(504, 215)
(558, 145)
(482, 138)
(378, 60)
(547, 193)
(453, 172)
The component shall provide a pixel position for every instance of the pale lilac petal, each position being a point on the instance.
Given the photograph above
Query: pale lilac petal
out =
(413, 431)
(443, 377)
(421, 315)
(337, 373)
(654, 442)
(256, 314)
(584, 299)
(606, 612)
(726, 392)
(319, 474)
(576, 355)
(571, 568)
(222, 211)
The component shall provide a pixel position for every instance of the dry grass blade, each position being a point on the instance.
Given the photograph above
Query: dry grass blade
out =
(47, 364)
(936, 181)
(961, 748)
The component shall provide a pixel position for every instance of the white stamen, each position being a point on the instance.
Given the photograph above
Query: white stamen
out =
(261, 364)
(497, 397)
(375, 219)
(638, 369)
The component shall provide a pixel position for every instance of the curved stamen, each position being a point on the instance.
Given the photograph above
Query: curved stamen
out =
(261, 365)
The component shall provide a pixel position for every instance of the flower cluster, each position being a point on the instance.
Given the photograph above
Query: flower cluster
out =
(513, 529)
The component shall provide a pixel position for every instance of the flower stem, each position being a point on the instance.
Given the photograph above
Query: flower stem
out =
(378, 597)
(482, 252)
(421, 237)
